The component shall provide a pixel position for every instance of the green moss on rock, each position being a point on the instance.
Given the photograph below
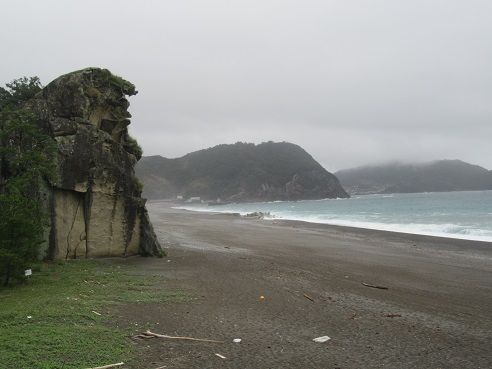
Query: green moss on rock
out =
(97, 208)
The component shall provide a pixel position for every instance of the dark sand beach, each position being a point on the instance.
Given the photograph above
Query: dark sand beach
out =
(435, 313)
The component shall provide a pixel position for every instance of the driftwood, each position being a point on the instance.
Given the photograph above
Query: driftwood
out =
(393, 315)
(374, 286)
(308, 297)
(149, 334)
(108, 366)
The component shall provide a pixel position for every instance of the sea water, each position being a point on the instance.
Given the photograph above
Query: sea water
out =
(465, 215)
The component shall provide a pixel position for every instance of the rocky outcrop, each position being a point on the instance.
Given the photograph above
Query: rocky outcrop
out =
(314, 184)
(95, 199)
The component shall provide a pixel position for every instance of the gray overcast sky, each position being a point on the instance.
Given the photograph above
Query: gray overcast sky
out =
(353, 82)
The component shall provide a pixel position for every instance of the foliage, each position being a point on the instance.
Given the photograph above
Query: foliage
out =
(225, 170)
(20, 234)
(19, 91)
(49, 323)
(25, 159)
(132, 146)
(106, 76)
(138, 185)
(126, 87)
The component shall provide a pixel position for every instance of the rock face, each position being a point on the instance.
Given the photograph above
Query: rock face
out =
(238, 173)
(95, 200)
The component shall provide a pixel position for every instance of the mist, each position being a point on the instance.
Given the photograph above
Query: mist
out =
(352, 82)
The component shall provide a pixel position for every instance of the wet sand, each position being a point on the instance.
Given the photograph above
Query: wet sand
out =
(435, 313)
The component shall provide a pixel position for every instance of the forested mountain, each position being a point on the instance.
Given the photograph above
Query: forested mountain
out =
(239, 172)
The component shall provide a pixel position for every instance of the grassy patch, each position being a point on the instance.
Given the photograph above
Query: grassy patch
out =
(50, 323)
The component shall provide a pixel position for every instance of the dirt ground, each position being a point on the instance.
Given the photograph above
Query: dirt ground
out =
(435, 313)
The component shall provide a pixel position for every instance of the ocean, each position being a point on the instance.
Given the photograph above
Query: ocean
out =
(465, 215)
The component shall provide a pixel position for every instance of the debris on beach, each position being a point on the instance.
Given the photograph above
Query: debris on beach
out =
(374, 286)
(321, 339)
(95, 312)
(150, 335)
(262, 298)
(393, 315)
(308, 297)
(221, 356)
(237, 340)
(108, 366)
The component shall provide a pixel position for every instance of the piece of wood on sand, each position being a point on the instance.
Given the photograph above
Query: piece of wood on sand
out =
(393, 315)
(108, 366)
(374, 286)
(308, 297)
(149, 334)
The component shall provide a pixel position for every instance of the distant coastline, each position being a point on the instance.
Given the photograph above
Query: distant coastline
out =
(433, 176)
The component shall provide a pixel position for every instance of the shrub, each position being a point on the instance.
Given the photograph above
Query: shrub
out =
(132, 146)
(26, 158)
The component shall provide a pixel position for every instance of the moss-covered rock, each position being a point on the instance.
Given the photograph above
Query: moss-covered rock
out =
(95, 198)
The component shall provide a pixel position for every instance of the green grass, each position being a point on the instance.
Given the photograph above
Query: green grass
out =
(49, 322)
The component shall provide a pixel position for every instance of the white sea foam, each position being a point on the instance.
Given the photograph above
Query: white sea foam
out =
(436, 230)
(454, 215)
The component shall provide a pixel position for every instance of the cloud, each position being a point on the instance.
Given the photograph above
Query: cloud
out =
(352, 82)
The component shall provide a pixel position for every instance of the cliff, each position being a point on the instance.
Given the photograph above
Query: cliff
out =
(95, 200)
(436, 176)
(240, 172)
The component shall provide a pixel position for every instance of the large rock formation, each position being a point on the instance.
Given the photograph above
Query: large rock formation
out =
(95, 200)
(240, 173)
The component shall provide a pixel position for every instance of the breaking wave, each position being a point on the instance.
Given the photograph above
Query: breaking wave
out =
(462, 215)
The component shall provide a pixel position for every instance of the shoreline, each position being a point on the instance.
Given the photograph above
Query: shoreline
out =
(350, 228)
(434, 313)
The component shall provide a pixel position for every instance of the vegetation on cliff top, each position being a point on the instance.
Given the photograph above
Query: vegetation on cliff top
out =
(126, 87)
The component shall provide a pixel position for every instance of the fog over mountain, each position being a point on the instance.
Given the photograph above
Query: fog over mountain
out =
(351, 82)
(436, 176)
